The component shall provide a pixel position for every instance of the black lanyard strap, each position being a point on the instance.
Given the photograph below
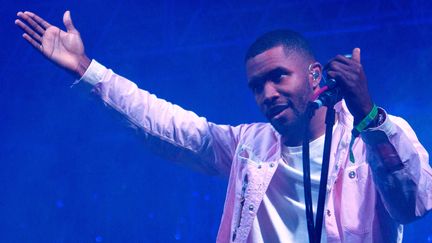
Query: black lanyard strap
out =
(314, 230)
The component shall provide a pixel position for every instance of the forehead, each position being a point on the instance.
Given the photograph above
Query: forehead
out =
(273, 58)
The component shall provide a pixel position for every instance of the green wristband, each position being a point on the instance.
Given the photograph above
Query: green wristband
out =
(367, 120)
(360, 127)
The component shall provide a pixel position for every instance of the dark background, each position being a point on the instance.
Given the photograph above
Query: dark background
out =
(71, 170)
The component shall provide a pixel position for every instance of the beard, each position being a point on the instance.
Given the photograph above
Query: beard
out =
(291, 121)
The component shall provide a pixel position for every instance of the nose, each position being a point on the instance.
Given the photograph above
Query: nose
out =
(270, 93)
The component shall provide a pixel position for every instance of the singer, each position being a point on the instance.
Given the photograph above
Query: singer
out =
(379, 174)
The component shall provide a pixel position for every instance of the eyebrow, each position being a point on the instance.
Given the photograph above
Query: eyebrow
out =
(270, 75)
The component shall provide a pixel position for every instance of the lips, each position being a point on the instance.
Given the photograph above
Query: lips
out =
(275, 110)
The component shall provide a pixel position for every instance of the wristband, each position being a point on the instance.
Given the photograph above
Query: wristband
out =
(360, 127)
(366, 121)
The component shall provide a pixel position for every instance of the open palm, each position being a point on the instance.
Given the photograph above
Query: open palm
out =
(63, 48)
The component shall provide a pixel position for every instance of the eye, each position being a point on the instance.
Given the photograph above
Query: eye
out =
(278, 75)
(277, 78)
(282, 76)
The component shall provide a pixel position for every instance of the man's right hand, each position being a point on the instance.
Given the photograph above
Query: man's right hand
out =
(66, 49)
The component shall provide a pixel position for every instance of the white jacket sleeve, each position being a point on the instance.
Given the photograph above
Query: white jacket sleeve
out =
(401, 169)
(168, 129)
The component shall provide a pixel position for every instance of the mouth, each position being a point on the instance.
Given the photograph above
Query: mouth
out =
(274, 111)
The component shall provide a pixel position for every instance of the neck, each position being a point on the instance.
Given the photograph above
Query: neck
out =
(294, 137)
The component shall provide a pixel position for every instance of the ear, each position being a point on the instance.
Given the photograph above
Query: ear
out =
(315, 74)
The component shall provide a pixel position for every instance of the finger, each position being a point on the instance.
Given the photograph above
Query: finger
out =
(337, 66)
(356, 54)
(32, 23)
(31, 33)
(339, 77)
(67, 20)
(334, 75)
(38, 19)
(339, 59)
(338, 72)
(34, 43)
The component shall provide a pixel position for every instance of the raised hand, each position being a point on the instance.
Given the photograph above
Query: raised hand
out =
(350, 76)
(66, 49)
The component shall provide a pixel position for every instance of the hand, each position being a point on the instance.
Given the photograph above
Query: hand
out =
(350, 77)
(66, 49)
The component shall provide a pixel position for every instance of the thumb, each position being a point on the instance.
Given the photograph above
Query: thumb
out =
(67, 20)
(356, 54)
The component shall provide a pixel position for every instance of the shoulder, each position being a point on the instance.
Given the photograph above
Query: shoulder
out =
(259, 129)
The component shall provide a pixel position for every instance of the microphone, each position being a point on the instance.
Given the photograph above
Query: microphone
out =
(329, 94)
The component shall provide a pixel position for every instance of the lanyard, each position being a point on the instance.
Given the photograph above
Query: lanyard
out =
(315, 228)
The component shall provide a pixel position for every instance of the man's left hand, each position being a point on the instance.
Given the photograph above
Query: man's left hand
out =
(350, 77)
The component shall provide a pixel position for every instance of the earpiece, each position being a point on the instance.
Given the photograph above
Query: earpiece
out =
(315, 75)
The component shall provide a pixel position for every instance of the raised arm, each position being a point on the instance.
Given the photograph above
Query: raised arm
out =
(65, 49)
(171, 131)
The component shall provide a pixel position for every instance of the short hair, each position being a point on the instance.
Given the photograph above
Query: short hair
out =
(290, 40)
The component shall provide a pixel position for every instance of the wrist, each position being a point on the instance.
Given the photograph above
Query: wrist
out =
(83, 64)
(359, 127)
(368, 121)
(360, 113)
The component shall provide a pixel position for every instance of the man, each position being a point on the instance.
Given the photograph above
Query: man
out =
(377, 181)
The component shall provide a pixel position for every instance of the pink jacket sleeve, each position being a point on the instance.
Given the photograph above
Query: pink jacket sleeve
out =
(169, 130)
(401, 169)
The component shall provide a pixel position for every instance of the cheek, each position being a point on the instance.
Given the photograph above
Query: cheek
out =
(259, 102)
(302, 93)
(261, 106)
(306, 88)
(295, 84)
